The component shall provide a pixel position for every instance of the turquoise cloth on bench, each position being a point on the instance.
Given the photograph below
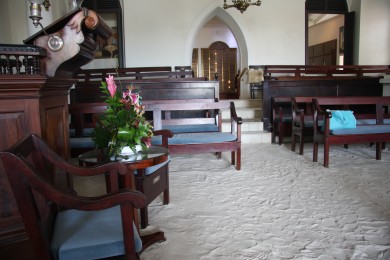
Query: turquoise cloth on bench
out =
(90, 234)
(341, 119)
(197, 138)
(364, 129)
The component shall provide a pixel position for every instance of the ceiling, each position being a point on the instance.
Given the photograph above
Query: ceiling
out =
(318, 18)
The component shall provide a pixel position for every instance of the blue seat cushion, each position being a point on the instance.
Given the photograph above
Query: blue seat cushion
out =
(90, 234)
(364, 129)
(86, 132)
(371, 121)
(81, 142)
(197, 138)
(285, 119)
(191, 128)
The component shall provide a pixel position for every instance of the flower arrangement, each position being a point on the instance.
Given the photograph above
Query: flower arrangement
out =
(123, 123)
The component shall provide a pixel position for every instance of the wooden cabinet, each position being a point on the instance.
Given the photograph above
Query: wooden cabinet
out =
(30, 104)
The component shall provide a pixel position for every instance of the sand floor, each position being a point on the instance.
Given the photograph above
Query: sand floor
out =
(279, 206)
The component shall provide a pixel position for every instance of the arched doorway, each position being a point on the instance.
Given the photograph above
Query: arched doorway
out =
(230, 23)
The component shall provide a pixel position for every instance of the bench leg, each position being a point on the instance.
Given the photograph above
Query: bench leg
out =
(166, 191)
(378, 151)
(273, 136)
(326, 154)
(281, 133)
(233, 157)
(315, 152)
(293, 141)
(301, 142)
(238, 165)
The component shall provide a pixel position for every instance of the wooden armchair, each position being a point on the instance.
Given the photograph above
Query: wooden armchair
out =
(63, 225)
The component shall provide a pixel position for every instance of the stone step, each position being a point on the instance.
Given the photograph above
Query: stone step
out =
(238, 103)
(253, 124)
(250, 110)
(256, 137)
(245, 112)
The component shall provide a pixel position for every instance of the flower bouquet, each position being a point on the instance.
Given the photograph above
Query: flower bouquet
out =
(123, 124)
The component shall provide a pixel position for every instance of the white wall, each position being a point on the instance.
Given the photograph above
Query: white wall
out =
(209, 35)
(158, 35)
(374, 47)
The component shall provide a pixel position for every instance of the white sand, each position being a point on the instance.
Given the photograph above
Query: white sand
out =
(279, 206)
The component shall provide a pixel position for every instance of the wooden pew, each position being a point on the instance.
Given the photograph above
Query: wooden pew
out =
(200, 135)
(302, 121)
(377, 132)
(298, 81)
(89, 92)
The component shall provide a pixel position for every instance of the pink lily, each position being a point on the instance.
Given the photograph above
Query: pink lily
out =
(111, 85)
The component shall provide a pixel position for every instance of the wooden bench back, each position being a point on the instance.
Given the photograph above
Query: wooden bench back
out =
(355, 100)
(159, 121)
(314, 87)
(88, 92)
(82, 116)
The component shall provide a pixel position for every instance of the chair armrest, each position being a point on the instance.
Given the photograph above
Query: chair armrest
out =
(119, 197)
(317, 113)
(235, 121)
(277, 111)
(165, 133)
(233, 114)
(296, 110)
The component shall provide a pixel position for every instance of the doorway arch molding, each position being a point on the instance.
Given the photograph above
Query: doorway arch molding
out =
(203, 18)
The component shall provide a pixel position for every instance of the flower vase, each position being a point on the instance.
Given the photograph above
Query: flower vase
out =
(127, 151)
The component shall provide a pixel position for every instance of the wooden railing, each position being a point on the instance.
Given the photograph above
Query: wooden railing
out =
(21, 59)
(136, 73)
(310, 72)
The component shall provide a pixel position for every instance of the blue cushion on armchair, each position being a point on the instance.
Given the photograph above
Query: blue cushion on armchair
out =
(90, 234)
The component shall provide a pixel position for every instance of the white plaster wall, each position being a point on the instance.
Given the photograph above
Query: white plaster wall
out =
(157, 33)
(158, 36)
(209, 35)
(374, 48)
(14, 21)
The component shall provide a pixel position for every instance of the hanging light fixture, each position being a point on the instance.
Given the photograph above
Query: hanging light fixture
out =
(241, 5)
(54, 42)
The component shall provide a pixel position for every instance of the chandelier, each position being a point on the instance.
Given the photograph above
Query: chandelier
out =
(241, 5)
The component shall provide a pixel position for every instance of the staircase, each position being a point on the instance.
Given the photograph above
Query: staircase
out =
(250, 110)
